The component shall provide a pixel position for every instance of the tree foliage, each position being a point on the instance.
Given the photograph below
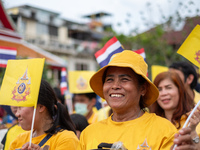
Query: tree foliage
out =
(158, 51)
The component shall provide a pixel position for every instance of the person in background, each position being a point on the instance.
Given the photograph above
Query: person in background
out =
(80, 123)
(53, 127)
(188, 75)
(174, 102)
(84, 104)
(60, 97)
(12, 132)
(126, 88)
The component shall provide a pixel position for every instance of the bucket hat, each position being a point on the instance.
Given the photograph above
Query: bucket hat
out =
(126, 58)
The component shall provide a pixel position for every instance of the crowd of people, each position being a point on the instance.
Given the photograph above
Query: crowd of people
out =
(141, 114)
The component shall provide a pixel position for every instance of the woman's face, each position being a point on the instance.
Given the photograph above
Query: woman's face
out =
(168, 95)
(121, 89)
(24, 115)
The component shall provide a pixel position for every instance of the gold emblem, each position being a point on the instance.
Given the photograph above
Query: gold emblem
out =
(197, 58)
(144, 146)
(81, 83)
(22, 88)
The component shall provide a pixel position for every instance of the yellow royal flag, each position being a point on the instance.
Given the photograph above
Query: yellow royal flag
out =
(156, 69)
(79, 81)
(21, 82)
(190, 48)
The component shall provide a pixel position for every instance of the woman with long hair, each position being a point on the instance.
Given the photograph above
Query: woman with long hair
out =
(174, 102)
(53, 128)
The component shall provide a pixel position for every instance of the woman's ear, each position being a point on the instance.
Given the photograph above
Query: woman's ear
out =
(189, 79)
(41, 108)
(144, 88)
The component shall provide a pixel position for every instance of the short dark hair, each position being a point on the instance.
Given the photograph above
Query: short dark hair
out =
(186, 69)
(90, 96)
(80, 121)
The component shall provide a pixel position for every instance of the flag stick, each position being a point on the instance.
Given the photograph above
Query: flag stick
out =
(186, 122)
(33, 119)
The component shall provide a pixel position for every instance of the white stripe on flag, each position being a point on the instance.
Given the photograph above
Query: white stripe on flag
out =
(3, 61)
(63, 73)
(11, 52)
(109, 50)
(143, 55)
(63, 84)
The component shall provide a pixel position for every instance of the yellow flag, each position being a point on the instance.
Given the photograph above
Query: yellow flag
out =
(21, 83)
(79, 81)
(156, 69)
(190, 48)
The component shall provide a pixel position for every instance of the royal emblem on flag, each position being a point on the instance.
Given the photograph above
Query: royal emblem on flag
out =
(22, 88)
(81, 83)
(197, 58)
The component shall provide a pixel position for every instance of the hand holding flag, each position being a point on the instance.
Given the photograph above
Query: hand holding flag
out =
(190, 49)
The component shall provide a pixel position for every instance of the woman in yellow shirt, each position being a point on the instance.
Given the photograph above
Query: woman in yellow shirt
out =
(174, 102)
(53, 128)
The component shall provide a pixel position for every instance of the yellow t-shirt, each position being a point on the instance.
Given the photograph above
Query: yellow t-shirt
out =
(146, 132)
(93, 118)
(64, 140)
(103, 113)
(11, 134)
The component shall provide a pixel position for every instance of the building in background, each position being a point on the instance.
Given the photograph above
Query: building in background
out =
(10, 37)
(74, 42)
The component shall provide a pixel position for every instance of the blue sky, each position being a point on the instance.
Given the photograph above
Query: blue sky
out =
(131, 14)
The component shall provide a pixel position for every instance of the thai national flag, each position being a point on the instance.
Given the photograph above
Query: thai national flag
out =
(63, 83)
(6, 53)
(111, 47)
(141, 52)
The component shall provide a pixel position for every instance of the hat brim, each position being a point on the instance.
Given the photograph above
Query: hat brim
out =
(96, 83)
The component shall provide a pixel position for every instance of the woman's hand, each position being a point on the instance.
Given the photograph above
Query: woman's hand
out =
(183, 140)
(26, 146)
(195, 119)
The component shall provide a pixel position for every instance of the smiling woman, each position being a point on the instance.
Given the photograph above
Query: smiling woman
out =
(53, 127)
(126, 88)
(174, 102)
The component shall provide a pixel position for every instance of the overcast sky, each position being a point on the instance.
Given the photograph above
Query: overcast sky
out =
(130, 14)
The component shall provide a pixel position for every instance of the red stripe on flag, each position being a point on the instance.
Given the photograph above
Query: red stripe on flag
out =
(3, 65)
(109, 43)
(8, 48)
(139, 51)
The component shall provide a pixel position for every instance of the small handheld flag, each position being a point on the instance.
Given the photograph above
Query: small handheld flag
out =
(156, 69)
(79, 81)
(6, 53)
(190, 49)
(63, 83)
(21, 83)
(141, 52)
(111, 47)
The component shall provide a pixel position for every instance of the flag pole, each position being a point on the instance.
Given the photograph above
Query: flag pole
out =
(186, 122)
(33, 119)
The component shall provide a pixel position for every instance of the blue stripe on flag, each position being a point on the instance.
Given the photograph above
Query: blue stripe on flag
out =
(7, 56)
(106, 61)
